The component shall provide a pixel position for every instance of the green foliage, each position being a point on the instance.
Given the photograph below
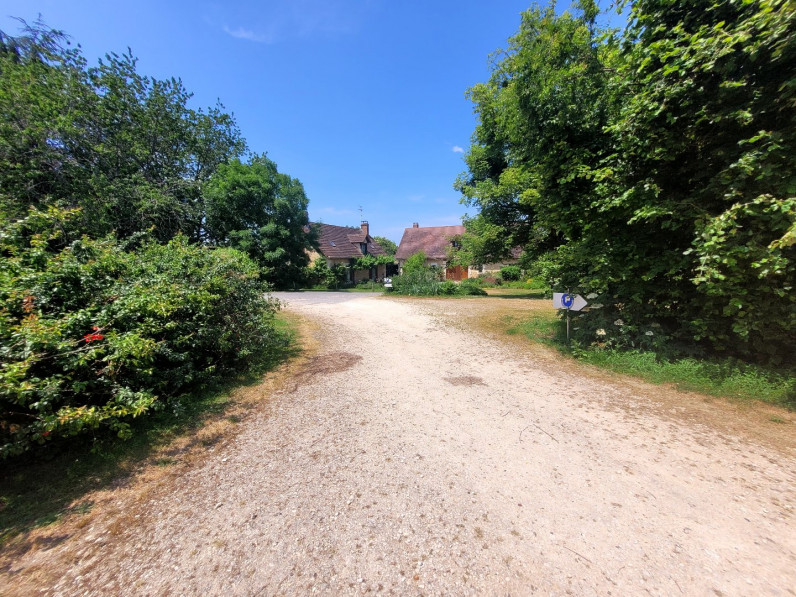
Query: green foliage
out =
(385, 243)
(255, 209)
(483, 242)
(511, 273)
(320, 274)
(652, 171)
(417, 283)
(107, 311)
(92, 335)
(368, 262)
(417, 279)
(448, 288)
(124, 147)
(470, 288)
(416, 264)
(718, 377)
(707, 150)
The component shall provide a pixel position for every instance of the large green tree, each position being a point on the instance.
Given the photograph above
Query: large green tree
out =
(385, 243)
(262, 212)
(124, 147)
(541, 136)
(706, 166)
(655, 169)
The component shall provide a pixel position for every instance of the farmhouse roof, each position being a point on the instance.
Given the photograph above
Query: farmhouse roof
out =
(434, 241)
(344, 242)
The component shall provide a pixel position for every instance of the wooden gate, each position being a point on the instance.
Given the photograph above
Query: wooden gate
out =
(457, 273)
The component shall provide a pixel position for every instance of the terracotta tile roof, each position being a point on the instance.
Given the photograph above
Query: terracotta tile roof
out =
(342, 242)
(434, 241)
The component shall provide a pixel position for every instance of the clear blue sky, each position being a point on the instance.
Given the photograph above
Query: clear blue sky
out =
(361, 100)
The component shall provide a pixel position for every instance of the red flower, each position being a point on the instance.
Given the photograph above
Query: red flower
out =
(94, 336)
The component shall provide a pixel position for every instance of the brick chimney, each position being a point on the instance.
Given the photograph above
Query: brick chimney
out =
(415, 225)
(365, 227)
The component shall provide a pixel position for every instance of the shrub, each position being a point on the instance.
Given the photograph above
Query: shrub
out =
(417, 283)
(417, 278)
(92, 335)
(415, 264)
(448, 288)
(471, 288)
(487, 281)
(510, 273)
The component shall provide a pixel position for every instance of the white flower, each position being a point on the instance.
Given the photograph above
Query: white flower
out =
(619, 322)
(592, 295)
(649, 333)
(600, 332)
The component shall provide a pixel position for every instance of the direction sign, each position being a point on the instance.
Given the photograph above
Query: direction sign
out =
(571, 302)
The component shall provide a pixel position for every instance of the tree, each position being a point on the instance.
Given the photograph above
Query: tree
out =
(415, 263)
(258, 210)
(538, 148)
(43, 89)
(655, 170)
(389, 247)
(123, 147)
(706, 159)
(483, 242)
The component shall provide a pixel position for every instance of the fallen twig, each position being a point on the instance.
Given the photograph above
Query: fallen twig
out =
(577, 554)
(540, 429)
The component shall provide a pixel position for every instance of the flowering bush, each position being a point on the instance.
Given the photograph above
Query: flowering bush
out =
(92, 335)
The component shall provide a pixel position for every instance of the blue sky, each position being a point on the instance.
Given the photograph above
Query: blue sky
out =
(361, 100)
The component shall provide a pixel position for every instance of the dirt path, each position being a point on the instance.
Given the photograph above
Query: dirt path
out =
(413, 457)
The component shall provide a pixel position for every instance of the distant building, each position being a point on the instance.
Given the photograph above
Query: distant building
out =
(343, 245)
(436, 242)
(494, 268)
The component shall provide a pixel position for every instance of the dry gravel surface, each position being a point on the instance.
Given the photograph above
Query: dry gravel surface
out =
(411, 455)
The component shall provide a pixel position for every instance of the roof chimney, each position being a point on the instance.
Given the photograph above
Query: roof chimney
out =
(415, 225)
(365, 227)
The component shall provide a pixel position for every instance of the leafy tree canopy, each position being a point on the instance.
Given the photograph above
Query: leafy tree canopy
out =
(262, 212)
(389, 247)
(654, 169)
(124, 147)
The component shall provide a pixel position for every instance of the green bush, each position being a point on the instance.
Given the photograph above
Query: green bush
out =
(416, 263)
(93, 334)
(471, 288)
(417, 283)
(486, 281)
(510, 273)
(448, 288)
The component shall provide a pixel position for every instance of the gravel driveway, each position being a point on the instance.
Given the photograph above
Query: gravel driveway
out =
(412, 457)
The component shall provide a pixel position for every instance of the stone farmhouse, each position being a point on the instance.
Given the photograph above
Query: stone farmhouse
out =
(343, 245)
(436, 242)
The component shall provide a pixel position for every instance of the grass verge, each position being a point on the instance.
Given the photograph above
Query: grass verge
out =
(724, 378)
(35, 494)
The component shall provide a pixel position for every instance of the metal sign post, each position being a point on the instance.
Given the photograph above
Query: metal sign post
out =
(570, 302)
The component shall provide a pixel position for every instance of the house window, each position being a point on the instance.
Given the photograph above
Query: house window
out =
(364, 248)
